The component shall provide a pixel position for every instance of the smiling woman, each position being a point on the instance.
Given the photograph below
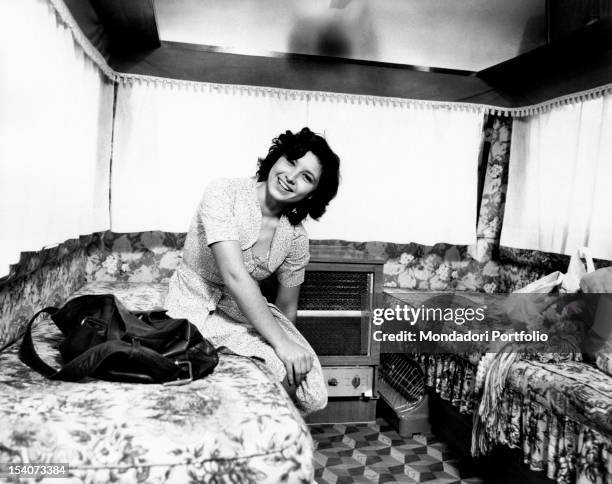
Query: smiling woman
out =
(244, 230)
(294, 180)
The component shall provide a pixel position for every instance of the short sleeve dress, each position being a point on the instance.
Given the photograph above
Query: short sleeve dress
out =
(230, 210)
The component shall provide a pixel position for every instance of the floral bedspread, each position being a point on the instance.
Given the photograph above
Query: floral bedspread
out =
(236, 425)
(560, 415)
(572, 389)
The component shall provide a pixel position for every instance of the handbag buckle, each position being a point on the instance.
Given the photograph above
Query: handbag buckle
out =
(96, 323)
(182, 381)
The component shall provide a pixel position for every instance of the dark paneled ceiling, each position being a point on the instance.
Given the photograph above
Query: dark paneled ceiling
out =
(117, 27)
(466, 35)
(578, 58)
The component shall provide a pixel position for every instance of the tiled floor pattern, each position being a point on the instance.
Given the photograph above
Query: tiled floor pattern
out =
(375, 453)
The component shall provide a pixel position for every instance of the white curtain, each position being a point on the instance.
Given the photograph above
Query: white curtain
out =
(409, 172)
(55, 132)
(560, 181)
(170, 142)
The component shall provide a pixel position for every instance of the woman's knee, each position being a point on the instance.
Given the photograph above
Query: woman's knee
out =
(310, 394)
(321, 402)
(317, 389)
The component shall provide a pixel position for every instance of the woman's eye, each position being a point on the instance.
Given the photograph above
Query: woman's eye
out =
(308, 178)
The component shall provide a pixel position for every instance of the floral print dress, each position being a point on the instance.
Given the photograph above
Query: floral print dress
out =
(230, 210)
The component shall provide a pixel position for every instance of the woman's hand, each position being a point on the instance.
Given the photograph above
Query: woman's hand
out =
(297, 360)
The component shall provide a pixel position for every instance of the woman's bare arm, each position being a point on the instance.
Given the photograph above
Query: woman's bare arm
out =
(287, 301)
(245, 290)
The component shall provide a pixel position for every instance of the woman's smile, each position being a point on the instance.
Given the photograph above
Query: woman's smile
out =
(284, 185)
(290, 181)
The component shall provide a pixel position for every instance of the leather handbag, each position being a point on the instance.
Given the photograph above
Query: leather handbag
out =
(102, 339)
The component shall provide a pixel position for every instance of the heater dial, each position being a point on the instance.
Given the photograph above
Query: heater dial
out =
(349, 381)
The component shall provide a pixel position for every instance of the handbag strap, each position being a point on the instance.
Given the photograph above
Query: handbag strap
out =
(27, 352)
(89, 361)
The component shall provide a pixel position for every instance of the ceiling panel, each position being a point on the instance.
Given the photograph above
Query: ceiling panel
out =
(454, 34)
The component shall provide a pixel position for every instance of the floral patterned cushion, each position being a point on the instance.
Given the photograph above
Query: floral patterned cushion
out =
(136, 296)
(236, 425)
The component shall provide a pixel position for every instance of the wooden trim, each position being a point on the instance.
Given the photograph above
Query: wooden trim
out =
(324, 313)
(366, 319)
(344, 360)
(573, 64)
(320, 58)
(378, 301)
(341, 267)
(305, 73)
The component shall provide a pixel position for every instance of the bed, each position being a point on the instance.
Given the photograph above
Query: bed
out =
(236, 425)
(553, 407)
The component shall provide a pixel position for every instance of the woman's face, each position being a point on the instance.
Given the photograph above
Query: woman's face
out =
(290, 181)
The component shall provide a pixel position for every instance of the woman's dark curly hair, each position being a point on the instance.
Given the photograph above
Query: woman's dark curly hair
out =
(293, 147)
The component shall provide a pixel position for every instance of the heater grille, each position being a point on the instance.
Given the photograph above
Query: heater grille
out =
(404, 376)
(334, 291)
(333, 335)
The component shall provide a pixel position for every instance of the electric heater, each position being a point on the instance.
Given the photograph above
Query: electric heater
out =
(340, 291)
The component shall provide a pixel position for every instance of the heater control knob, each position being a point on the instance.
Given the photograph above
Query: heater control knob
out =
(356, 382)
(332, 382)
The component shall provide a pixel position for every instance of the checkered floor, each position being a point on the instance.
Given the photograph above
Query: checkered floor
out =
(375, 453)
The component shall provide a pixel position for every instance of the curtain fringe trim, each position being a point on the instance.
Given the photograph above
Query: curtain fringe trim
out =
(361, 99)
(65, 17)
(291, 94)
(63, 13)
